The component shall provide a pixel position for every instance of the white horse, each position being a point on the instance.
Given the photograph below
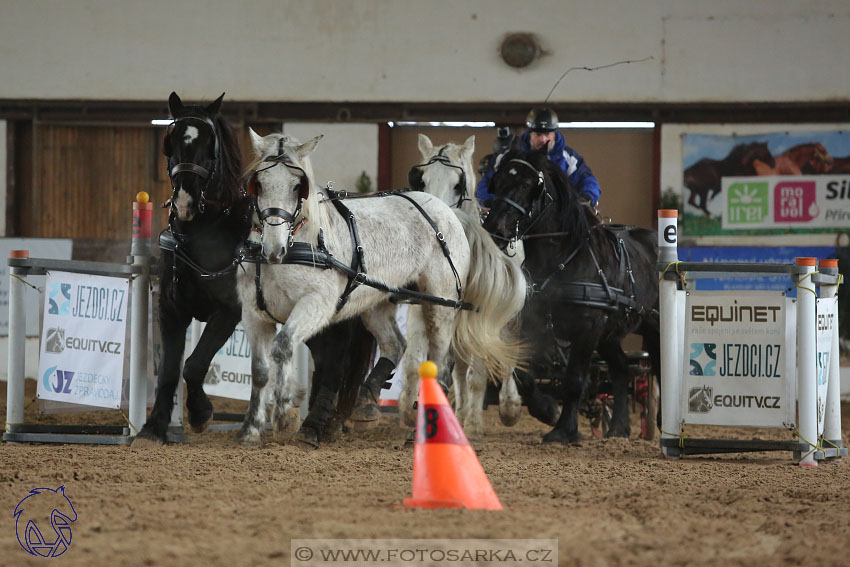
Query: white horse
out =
(405, 240)
(447, 172)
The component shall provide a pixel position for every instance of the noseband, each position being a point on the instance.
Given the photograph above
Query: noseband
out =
(414, 177)
(194, 168)
(537, 206)
(283, 215)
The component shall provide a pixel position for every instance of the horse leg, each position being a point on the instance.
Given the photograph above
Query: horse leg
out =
(618, 370)
(415, 354)
(541, 406)
(382, 324)
(173, 325)
(328, 375)
(218, 329)
(510, 404)
(260, 335)
(572, 392)
(309, 316)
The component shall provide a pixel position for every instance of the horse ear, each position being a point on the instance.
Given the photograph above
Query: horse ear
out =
(175, 105)
(469, 146)
(307, 148)
(425, 145)
(256, 141)
(215, 106)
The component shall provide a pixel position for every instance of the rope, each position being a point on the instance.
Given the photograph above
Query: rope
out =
(806, 288)
(681, 435)
(127, 419)
(681, 275)
(25, 282)
(814, 446)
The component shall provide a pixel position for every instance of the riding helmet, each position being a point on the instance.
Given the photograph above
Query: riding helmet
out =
(542, 120)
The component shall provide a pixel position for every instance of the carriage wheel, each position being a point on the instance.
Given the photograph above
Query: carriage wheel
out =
(649, 413)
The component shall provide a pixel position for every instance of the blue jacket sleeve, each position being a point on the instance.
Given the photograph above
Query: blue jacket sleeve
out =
(585, 181)
(482, 190)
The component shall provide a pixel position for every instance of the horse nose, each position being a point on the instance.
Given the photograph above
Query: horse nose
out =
(276, 256)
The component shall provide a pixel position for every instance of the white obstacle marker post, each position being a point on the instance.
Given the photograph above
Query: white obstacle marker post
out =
(807, 367)
(832, 419)
(669, 322)
(140, 255)
(16, 344)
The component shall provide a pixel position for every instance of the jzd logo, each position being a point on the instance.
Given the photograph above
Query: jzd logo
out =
(63, 380)
(43, 506)
(59, 299)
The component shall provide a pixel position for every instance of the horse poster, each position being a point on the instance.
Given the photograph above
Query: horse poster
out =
(739, 359)
(770, 183)
(83, 343)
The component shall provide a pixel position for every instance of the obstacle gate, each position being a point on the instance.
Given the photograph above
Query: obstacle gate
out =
(748, 359)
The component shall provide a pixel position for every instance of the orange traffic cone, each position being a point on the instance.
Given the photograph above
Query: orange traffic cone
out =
(446, 472)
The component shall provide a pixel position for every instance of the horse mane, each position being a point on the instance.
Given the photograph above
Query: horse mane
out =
(741, 150)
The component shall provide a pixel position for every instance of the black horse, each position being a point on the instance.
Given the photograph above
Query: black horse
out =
(703, 179)
(592, 285)
(209, 220)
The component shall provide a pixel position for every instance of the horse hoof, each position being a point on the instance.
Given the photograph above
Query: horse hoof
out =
(408, 418)
(249, 439)
(306, 438)
(622, 433)
(509, 418)
(333, 430)
(368, 412)
(200, 427)
(287, 424)
(562, 437)
(410, 440)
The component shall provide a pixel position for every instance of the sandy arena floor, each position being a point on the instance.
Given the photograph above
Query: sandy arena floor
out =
(607, 502)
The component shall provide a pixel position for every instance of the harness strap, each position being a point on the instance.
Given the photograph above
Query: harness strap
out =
(261, 300)
(358, 263)
(440, 238)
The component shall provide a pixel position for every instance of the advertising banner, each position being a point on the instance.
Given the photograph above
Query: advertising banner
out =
(765, 183)
(229, 375)
(827, 325)
(83, 342)
(739, 359)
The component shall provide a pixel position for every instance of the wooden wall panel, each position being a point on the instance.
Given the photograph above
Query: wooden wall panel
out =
(85, 179)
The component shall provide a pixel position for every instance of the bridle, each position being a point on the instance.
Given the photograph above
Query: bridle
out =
(536, 208)
(275, 216)
(414, 176)
(190, 167)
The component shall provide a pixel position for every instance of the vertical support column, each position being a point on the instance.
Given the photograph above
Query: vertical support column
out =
(140, 253)
(832, 419)
(669, 322)
(16, 344)
(807, 417)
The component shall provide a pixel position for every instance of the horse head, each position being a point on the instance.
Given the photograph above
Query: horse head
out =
(446, 172)
(525, 185)
(282, 183)
(748, 153)
(203, 158)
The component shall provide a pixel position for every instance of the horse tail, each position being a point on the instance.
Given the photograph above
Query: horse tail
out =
(496, 287)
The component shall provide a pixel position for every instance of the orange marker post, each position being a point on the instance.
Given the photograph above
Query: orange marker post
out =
(446, 471)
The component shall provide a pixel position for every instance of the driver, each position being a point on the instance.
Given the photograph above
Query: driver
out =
(543, 133)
